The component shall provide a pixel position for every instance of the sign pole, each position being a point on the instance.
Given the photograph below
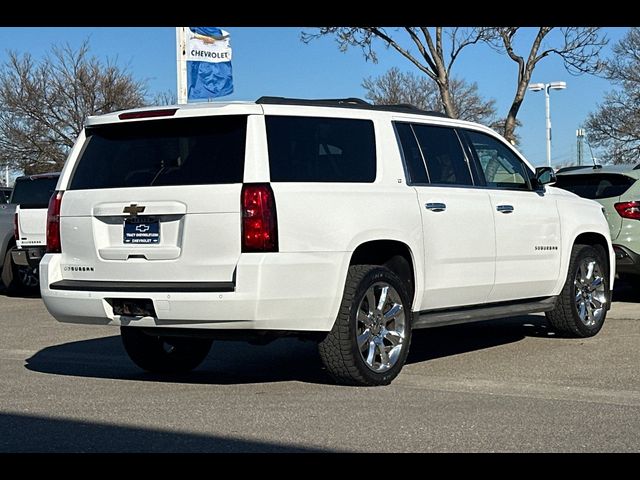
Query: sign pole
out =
(181, 64)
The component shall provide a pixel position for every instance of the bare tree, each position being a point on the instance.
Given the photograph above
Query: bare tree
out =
(394, 87)
(437, 49)
(615, 126)
(165, 97)
(44, 104)
(579, 48)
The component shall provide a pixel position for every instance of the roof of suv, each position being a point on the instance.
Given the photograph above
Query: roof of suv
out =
(627, 170)
(244, 107)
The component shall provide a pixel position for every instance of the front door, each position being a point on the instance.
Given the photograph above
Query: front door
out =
(527, 223)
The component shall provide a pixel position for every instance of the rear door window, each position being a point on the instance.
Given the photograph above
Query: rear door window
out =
(188, 151)
(443, 154)
(595, 186)
(320, 149)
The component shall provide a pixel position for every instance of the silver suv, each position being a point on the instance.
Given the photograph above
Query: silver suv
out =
(617, 189)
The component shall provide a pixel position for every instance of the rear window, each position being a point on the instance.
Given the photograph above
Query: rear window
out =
(595, 186)
(189, 151)
(34, 193)
(314, 149)
(5, 195)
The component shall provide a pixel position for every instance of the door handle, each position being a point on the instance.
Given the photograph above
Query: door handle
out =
(505, 208)
(435, 206)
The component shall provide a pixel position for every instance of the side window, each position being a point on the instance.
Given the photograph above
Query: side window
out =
(412, 156)
(318, 149)
(501, 167)
(443, 154)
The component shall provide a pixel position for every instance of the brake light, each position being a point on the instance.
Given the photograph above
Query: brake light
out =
(53, 223)
(16, 230)
(628, 210)
(259, 223)
(165, 112)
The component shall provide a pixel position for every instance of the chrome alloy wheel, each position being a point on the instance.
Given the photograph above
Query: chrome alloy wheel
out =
(591, 298)
(380, 327)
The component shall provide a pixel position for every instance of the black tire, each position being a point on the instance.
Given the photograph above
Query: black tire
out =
(566, 318)
(339, 350)
(158, 354)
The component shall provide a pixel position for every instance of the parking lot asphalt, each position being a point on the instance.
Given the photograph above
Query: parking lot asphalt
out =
(507, 385)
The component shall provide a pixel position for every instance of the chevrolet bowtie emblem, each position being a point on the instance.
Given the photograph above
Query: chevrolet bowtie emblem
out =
(133, 209)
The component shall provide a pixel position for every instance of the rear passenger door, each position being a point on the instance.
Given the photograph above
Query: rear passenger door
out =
(457, 219)
(526, 221)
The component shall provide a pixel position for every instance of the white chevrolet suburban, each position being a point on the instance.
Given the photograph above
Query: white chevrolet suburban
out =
(30, 197)
(332, 220)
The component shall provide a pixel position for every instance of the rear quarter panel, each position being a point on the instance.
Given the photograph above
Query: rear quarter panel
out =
(339, 217)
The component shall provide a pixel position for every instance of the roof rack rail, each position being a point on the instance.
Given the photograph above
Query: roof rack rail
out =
(348, 103)
(410, 108)
(304, 101)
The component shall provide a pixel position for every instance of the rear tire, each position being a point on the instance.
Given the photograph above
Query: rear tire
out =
(19, 279)
(367, 345)
(585, 298)
(163, 354)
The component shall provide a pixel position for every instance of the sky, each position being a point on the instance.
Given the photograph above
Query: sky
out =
(273, 61)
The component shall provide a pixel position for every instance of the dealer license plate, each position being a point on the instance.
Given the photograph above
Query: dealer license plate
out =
(141, 230)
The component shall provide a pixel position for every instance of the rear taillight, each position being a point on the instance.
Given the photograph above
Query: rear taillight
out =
(628, 210)
(53, 223)
(16, 230)
(259, 223)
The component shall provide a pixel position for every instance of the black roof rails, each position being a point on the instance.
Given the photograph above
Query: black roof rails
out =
(348, 103)
(325, 102)
(409, 108)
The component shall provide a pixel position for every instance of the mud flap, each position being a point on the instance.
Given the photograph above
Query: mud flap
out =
(7, 270)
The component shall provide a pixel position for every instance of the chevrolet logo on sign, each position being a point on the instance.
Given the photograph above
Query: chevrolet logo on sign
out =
(133, 209)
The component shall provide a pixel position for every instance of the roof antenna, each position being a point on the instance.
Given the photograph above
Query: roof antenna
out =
(593, 159)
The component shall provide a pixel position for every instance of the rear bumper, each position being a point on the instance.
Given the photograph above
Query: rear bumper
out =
(627, 261)
(27, 256)
(272, 291)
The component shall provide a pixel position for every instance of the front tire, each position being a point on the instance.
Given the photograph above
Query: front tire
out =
(163, 354)
(585, 298)
(369, 342)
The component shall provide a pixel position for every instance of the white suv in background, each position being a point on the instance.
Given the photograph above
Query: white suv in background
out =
(333, 220)
(31, 195)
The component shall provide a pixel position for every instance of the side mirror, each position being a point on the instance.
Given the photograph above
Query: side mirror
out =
(545, 175)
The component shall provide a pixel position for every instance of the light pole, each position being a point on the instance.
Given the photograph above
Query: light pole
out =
(536, 87)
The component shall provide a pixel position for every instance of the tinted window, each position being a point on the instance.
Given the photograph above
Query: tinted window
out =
(309, 149)
(411, 153)
(5, 195)
(446, 163)
(595, 186)
(34, 193)
(190, 151)
(501, 167)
